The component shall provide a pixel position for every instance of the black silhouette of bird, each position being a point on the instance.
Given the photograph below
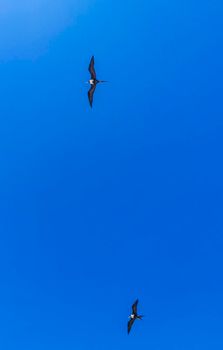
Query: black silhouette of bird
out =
(93, 81)
(134, 315)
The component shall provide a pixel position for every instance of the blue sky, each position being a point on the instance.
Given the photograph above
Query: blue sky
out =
(101, 206)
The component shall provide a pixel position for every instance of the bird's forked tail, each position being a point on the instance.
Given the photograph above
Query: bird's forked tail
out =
(140, 317)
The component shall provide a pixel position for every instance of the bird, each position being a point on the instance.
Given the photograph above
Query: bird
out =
(93, 81)
(134, 315)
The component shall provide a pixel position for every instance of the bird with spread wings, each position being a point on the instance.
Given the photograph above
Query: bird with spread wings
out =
(134, 315)
(93, 81)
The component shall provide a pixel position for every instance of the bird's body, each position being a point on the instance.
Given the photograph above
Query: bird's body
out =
(93, 81)
(134, 316)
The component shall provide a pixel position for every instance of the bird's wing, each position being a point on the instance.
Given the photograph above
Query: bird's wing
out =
(134, 307)
(91, 68)
(130, 323)
(91, 94)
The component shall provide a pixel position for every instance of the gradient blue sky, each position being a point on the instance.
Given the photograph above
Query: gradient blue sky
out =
(101, 206)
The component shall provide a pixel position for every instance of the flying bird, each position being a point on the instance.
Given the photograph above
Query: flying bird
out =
(93, 81)
(134, 315)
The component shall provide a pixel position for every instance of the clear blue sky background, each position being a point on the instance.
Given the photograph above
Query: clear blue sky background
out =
(99, 207)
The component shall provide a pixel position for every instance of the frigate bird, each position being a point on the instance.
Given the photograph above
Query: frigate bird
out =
(93, 81)
(134, 315)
